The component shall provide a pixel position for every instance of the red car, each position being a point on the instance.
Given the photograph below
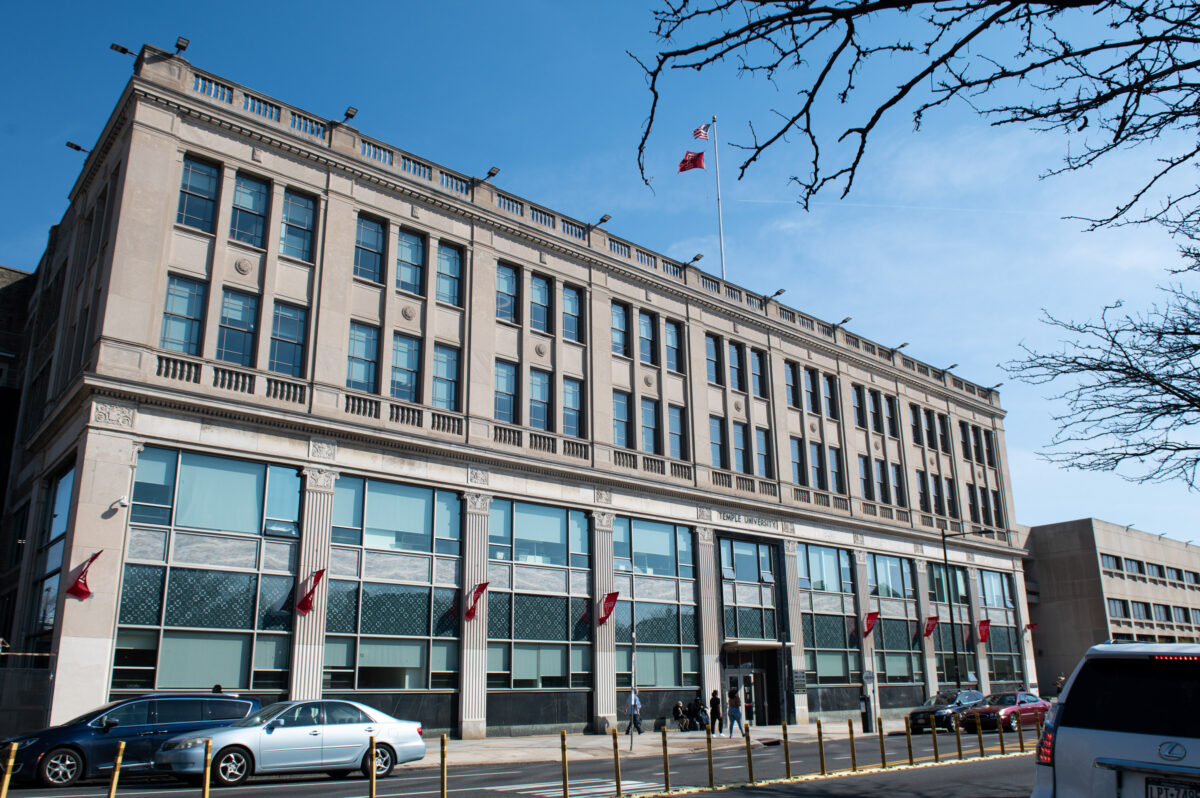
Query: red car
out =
(1003, 708)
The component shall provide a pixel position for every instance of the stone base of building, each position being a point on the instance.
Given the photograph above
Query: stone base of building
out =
(473, 729)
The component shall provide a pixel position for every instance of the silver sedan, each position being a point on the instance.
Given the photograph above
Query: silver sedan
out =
(295, 737)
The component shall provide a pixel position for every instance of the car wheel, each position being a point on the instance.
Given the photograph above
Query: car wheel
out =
(232, 766)
(337, 774)
(1012, 722)
(385, 762)
(62, 767)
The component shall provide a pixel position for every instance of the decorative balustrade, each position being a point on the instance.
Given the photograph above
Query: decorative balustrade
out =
(173, 368)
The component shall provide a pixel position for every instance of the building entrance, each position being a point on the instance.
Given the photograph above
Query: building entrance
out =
(755, 675)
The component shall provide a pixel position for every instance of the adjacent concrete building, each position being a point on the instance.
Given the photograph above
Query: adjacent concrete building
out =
(276, 359)
(1090, 581)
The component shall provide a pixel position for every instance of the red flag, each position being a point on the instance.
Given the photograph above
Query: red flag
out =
(985, 629)
(479, 590)
(691, 160)
(79, 588)
(610, 604)
(701, 132)
(930, 624)
(304, 605)
(1031, 626)
(869, 623)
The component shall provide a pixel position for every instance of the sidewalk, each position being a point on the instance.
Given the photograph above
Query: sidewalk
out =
(548, 747)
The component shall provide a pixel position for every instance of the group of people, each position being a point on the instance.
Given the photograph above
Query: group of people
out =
(694, 716)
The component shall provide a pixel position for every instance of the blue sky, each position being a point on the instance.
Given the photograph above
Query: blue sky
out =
(949, 239)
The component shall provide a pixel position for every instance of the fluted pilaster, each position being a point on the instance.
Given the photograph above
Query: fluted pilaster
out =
(604, 645)
(791, 577)
(308, 638)
(710, 609)
(472, 703)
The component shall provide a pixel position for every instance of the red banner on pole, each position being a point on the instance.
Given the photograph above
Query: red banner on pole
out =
(304, 606)
(869, 623)
(79, 588)
(478, 592)
(930, 624)
(985, 629)
(1031, 626)
(610, 604)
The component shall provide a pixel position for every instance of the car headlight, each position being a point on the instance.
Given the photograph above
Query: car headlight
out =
(26, 742)
(191, 742)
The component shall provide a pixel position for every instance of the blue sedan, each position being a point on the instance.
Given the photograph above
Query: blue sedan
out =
(296, 737)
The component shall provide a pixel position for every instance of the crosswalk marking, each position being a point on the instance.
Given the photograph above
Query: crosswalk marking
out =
(581, 787)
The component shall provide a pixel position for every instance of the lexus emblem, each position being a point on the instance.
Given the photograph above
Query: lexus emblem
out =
(1172, 752)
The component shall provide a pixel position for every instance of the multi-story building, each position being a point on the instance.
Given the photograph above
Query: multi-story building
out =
(270, 349)
(1090, 581)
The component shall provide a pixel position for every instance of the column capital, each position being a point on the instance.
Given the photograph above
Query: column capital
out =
(320, 479)
(478, 503)
(602, 520)
(704, 534)
(789, 546)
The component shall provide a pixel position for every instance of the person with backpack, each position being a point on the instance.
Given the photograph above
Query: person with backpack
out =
(735, 711)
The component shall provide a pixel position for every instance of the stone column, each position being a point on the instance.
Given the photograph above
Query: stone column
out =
(978, 613)
(604, 638)
(866, 645)
(795, 611)
(709, 582)
(308, 636)
(1024, 636)
(472, 691)
(925, 609)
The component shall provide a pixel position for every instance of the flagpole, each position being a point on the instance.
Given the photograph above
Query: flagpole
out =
(720, 221)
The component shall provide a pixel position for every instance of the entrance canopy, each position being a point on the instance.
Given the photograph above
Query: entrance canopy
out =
(751, 645)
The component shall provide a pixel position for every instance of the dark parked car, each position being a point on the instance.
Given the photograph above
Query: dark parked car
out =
(86, 746)
(1003, 708)
(941, 709)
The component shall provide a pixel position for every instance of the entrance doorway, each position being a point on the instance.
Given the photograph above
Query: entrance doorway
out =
(751, 685)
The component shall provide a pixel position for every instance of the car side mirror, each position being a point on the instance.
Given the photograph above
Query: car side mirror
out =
(110, 723)
(275, 723)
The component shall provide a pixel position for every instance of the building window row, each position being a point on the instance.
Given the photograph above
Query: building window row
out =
(541, 302)
(883, 411)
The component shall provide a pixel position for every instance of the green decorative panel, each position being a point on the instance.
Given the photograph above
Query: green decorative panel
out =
(499, 616)
(539, 617)
(581, 620)
(657, 623)
(272, 595)
(394, 609)
(142, 594)
(750, 622)
(623, 617)
(769, 631)
(342, 613)
(894, 635)
(687, 625)
(731, 622)
(829, 631)
(1002, 640)
(445, 612)
(210, 599)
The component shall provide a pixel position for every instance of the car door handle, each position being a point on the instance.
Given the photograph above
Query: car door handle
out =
(315, 732)
(370, 729)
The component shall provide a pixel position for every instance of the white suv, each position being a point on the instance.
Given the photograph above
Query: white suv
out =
(1127, 724)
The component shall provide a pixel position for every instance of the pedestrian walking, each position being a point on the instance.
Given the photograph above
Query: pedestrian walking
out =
(735, 711)
(634, 710)
(714, 711)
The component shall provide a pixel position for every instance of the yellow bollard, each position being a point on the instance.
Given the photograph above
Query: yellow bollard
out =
(908, 738)
(934, 733)
(957, 736)
(8, 766)
(371, 768)
(1000, 732)
(443, 766)
(116, 774)
(207, 783)
(821, 747)
(853, 753)
(882, 750)
(979, 737)
(616, 761)
(566, 780)
(749, 756)
(787, 752)
(708, 745)
(666, 761)
(1020, 733)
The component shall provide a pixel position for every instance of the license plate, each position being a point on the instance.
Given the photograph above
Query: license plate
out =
(1172, 789)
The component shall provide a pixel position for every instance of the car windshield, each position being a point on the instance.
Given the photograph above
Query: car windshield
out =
(1002, 700)
(941, 699)
(86, 716)
(263, 715)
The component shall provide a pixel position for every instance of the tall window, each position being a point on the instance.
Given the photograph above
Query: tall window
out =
(893, 416)
(236, 335)
(914, 413)
(449, 274)
(506, 293)
(762, 453)
(445, 377)
(712, 359)
(944, 430)
(758, 373)
(183, 315)
(506, 392)
(571, 314)
(674, 342)
(964, 434)
(812, 390)
(977, 437)
(406, 368)
(716, 437)
(677, 432)
(951, 498)
(798, 461)
(997, 508)
(835, 470)
(620, 329)
(648, 337)
(939, 501)
(816, 463)
(990, 446)
(622, 423)
(857, 394)
(362, 361)
(984, 507)
(898, 485)
(539, 303)
(748, 589)
(572, 407)
(368, 250)
(923, 492)
(249, 221)
(831, 396)
(972, 503)
(791, 378)
(410, 263)
(882, 489)
(539, 399)
(198, 195)
(876, 411)
(741, 448)
(930, 429)
(737, 374)
(650, 440)
(289, 333)
(299, 223)
(864, 478)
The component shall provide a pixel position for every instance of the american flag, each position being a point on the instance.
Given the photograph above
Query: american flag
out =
(701, 132)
